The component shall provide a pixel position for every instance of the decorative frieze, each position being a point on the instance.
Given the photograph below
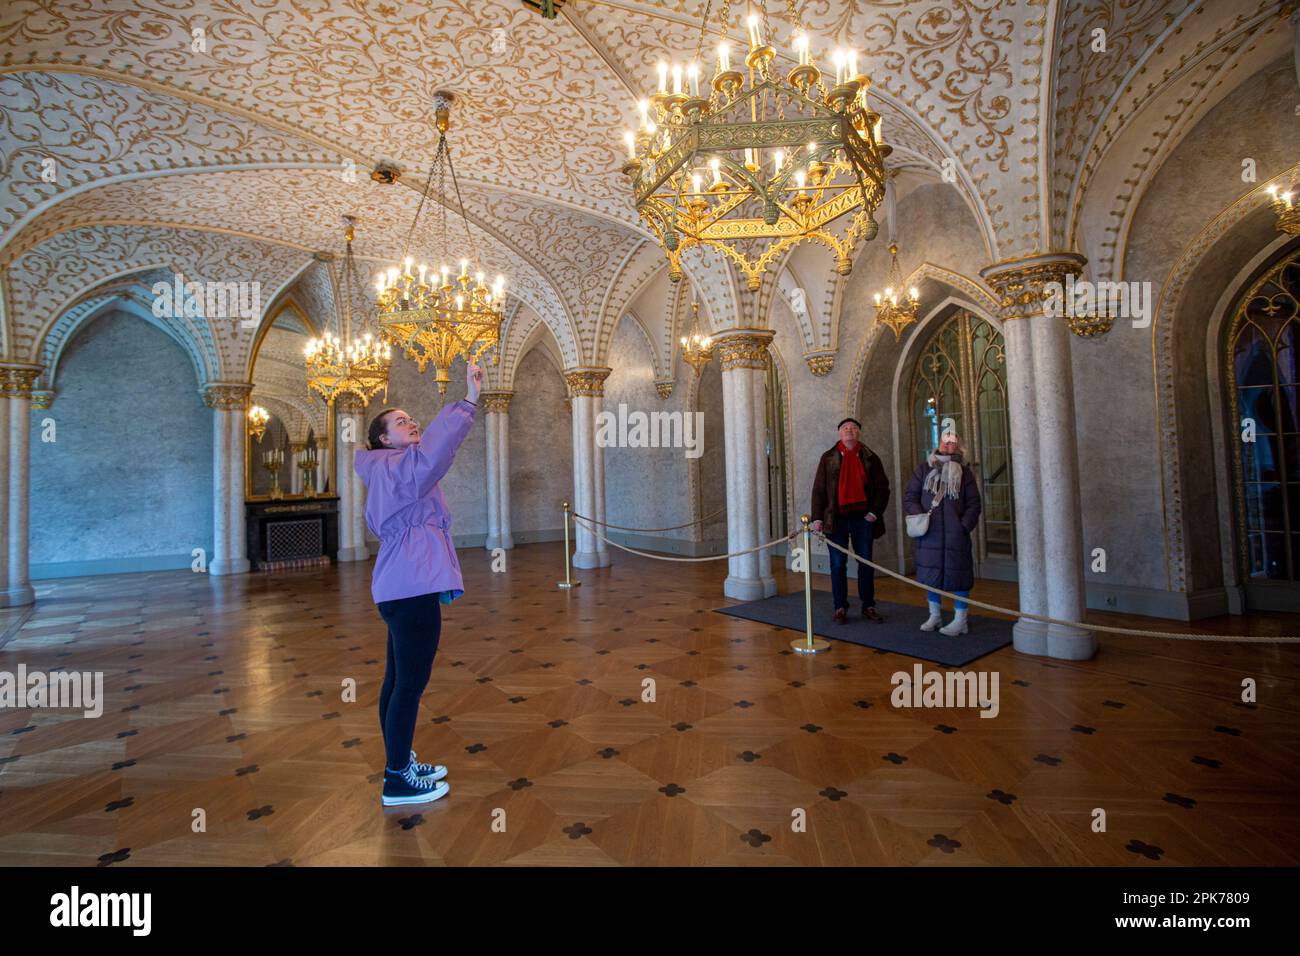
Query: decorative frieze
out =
(1020, 285)
(495, 401)
(820, 363)
(743, 348)
(227, 394)
(587, 381)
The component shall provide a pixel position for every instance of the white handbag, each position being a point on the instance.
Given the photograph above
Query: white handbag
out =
(918, 525)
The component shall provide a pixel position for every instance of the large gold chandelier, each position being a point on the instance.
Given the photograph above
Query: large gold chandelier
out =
(896, 307)
(348, 366)
(431, 316)
(754, 162)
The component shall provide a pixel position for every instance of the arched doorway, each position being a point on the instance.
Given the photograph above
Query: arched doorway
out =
(1262, 377)
(960, 375)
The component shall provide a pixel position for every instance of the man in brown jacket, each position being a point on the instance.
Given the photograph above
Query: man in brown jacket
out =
(848, 504)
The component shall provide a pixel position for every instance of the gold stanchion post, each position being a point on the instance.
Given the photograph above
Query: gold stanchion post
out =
(810, 644)
(568, 581)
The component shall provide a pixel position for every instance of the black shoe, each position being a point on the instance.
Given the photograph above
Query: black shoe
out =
(871, 614)
(841, 615)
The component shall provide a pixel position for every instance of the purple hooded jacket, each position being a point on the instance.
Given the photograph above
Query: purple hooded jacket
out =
(405, 509)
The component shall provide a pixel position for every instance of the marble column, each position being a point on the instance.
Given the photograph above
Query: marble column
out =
(496, 406)
(5, 404)
(16, 586)
(350, 436)
(743, 357)
(1044, 455)
(297, 449)
(229, 539)
(587, 388)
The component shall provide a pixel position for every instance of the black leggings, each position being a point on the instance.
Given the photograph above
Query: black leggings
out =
(414, 625)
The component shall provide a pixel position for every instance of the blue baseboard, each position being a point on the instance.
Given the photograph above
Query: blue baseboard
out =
(81, 569)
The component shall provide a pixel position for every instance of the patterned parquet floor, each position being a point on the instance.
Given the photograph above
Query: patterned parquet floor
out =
(225, 695)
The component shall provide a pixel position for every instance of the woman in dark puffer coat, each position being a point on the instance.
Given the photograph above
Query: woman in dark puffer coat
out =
(944, 557)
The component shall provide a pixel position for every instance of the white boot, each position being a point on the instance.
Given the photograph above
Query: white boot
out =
(958, 625)
(933, 620)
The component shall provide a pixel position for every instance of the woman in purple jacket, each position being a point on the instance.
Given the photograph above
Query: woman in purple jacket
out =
(416, 571)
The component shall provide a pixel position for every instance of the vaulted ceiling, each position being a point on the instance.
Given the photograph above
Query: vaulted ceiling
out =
(226, 140)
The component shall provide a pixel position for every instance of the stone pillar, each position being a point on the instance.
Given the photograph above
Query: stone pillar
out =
(322, 456)
(229, 540)
(350, 436)
(743, 356)
(497, 406)
(16, 588)
(5, 405)
(587, 388)
(296, 451)
(1044, 455)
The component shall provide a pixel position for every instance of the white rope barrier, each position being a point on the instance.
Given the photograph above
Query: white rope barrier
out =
(807, 532)
(619, 527)
(1133, 632)
(665, 557)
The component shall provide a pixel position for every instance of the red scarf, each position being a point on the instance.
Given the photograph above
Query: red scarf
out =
(853, 477)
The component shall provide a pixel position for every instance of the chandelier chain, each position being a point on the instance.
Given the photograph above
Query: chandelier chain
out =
(794, 16)
(424, 194)
(704, 25)
(469, 235)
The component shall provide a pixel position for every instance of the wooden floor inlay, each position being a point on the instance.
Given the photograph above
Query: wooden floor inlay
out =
(224, 695)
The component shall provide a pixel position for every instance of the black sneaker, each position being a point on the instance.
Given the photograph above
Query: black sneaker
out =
(409, 787)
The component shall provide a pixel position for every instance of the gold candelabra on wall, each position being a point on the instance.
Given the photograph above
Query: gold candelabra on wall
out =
(273, 461)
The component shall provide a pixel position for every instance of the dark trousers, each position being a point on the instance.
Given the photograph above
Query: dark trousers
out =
(858, 529)
(414, 625)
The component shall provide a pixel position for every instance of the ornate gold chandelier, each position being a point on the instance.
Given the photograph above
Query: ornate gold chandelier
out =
(1286, 210)
(432, 317)
(697, 349)
(348, 366)
(893, 308)
(752, 163)
(258, 417)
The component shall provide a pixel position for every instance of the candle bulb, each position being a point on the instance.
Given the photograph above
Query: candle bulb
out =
(802, 48)
(423, 268)
(693, 75)
(724, 57)
(677, 78)
(630, 139)
(800, 177)
(913, 293)
(644, 107)
(878, 129)
(852, 65)
(716, 165)
(464, 266)
(838, 59)
(695, 182)
(778, 160)
(663, 76)
(749, 156)
(755, 34)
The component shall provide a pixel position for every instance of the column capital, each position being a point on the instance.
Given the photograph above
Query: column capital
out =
(743, 348)
(349, 404)
(820, 363)
(226, 394)
(43, 397)
(1019, 284)
(496, 400)
(297, 447)
(587, 381)
(17, 378)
